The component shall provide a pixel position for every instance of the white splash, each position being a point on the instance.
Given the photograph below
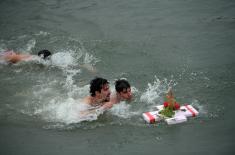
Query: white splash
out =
(41, 33)
(90, 59)
(63, 59)
(67, 111)
(122, 110)
(29, 46)
(153, 91)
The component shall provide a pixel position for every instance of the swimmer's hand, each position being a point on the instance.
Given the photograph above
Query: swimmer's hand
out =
(107, 105)
(93, 110)
(97, 109)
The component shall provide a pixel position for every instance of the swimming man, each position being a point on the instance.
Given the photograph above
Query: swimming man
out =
(13, 57)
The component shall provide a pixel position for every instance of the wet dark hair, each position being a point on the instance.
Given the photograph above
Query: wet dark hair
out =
(96, 85)
(121, 84)
(44, 53)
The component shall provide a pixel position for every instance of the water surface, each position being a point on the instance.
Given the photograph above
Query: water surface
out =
(156, 44)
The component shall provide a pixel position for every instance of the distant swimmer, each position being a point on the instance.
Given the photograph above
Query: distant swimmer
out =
(99, 93)
(13, 57)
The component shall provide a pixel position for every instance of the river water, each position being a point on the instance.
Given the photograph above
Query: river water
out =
(155, 44)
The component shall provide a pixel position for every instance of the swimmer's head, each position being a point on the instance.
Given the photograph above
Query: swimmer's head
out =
(44, 54)
(99, 87)
(123, 88)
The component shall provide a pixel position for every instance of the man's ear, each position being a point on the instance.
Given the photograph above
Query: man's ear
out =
(119, 93)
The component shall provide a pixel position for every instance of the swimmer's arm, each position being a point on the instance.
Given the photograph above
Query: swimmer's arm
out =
(104, 107)
(16, 58)
(25, 57)
(86, 100)
(109, 105)
(92, 110)
(13, 58)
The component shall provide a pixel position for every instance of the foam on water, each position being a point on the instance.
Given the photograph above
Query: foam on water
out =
(123, 110)
(63, 59)
(66, 111)
(153, 92)
(42, 33)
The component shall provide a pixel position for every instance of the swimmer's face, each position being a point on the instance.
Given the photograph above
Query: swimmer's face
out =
(105, 93)
(126, 94)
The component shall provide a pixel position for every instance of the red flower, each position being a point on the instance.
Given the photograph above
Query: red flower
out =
(165, 104)
(176, 106)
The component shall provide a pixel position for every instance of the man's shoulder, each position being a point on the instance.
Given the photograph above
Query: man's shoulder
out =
(86, 100)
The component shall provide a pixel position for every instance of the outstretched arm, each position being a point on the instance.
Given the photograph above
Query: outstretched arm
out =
(14, 58)
(109, 105)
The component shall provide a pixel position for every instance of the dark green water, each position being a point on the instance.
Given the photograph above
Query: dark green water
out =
(185, 44)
